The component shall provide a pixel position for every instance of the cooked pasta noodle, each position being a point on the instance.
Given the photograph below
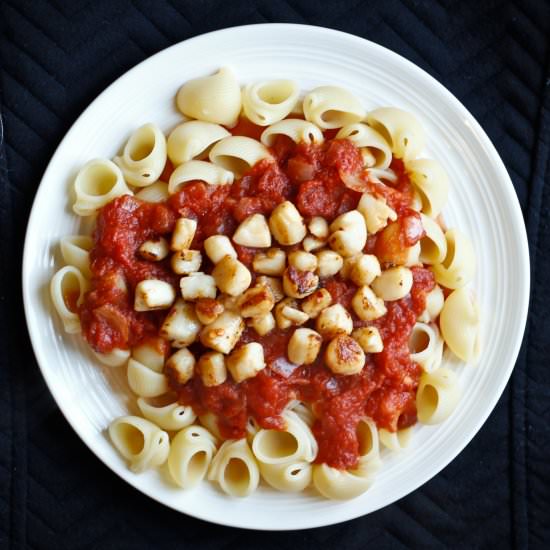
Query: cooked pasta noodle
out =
(192, 140)
(364, 136)
(340, 484)
(431, 182)
(144, 156)
(433, 247)
(458, 267)
(144, 381)
(291, 477)
(299, 131)
(400, 129)
(75, 250)
(332, 107)
(267, 102)
(460, 324)
(235, 468)
(190, 456)
(395, 441)
(156, 192)
(295, 442)
(238, 154)
(97, 183)
(115, 358)
(215, 98)
(151, 353)
(437, 396)
(434, 304)
(140, 442)
(369, 445)
(426, 346)
(67, 289)
(168, 417)
(198, 170)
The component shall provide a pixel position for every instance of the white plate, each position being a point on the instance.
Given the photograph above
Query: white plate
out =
(482, 203)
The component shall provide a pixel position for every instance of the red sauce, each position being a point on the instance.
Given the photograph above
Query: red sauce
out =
(310, 176)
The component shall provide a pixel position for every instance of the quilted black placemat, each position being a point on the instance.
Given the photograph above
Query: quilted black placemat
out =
(56, 56)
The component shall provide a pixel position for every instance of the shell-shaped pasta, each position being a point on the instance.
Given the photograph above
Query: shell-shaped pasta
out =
(192, 139)
(332, 107)
(437, 396)
(215, 98)
(115, 358)
(67, 289)
(140, 442)
(302, 411)
(168, 417)
(156, 192)
(235, 468)
(190, 455)
(340, 484)
(290, 477)
(395, 441)
(75, 250)
(145, 382)
(431, 182)
(369, 445)
(362, 135)
(460, 325)
(151, 353)
(269, 101)
(238, 154)
(198, 170)
(459, 265)
(434, 304)
(210, 421)
(401, 130)
(144, 156)
(298, 130)
(433, 247)
(294, 443)
(98, 182)
(426, 346)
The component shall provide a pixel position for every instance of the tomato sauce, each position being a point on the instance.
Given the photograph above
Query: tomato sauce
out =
(311, 177)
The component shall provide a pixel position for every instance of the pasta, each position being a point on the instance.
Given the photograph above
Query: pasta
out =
(144, 156)
(193, 139)
(215, 98)
(460, 325)
(198, 170)
(144, 381)
(190, 456)
(299, 131)
(431, 183)
(140, 442)
(437, 395)
(97, 183)
(458, 267)
(340, 484)
(168, 417)
(332, 107)
(282, 305)
(67, 290)
(156, 192)
(295, 442)
(400, 129)
(235, 468)
(395, 441)
(267, 102)
(76, 252)
(238, 154)
(378, 152)
(426, 346)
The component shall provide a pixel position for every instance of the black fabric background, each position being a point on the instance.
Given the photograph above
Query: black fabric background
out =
(57, 56)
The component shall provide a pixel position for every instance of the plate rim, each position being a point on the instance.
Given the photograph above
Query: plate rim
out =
(506, 185)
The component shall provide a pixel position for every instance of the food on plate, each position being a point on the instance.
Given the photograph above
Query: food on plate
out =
(275, 275)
